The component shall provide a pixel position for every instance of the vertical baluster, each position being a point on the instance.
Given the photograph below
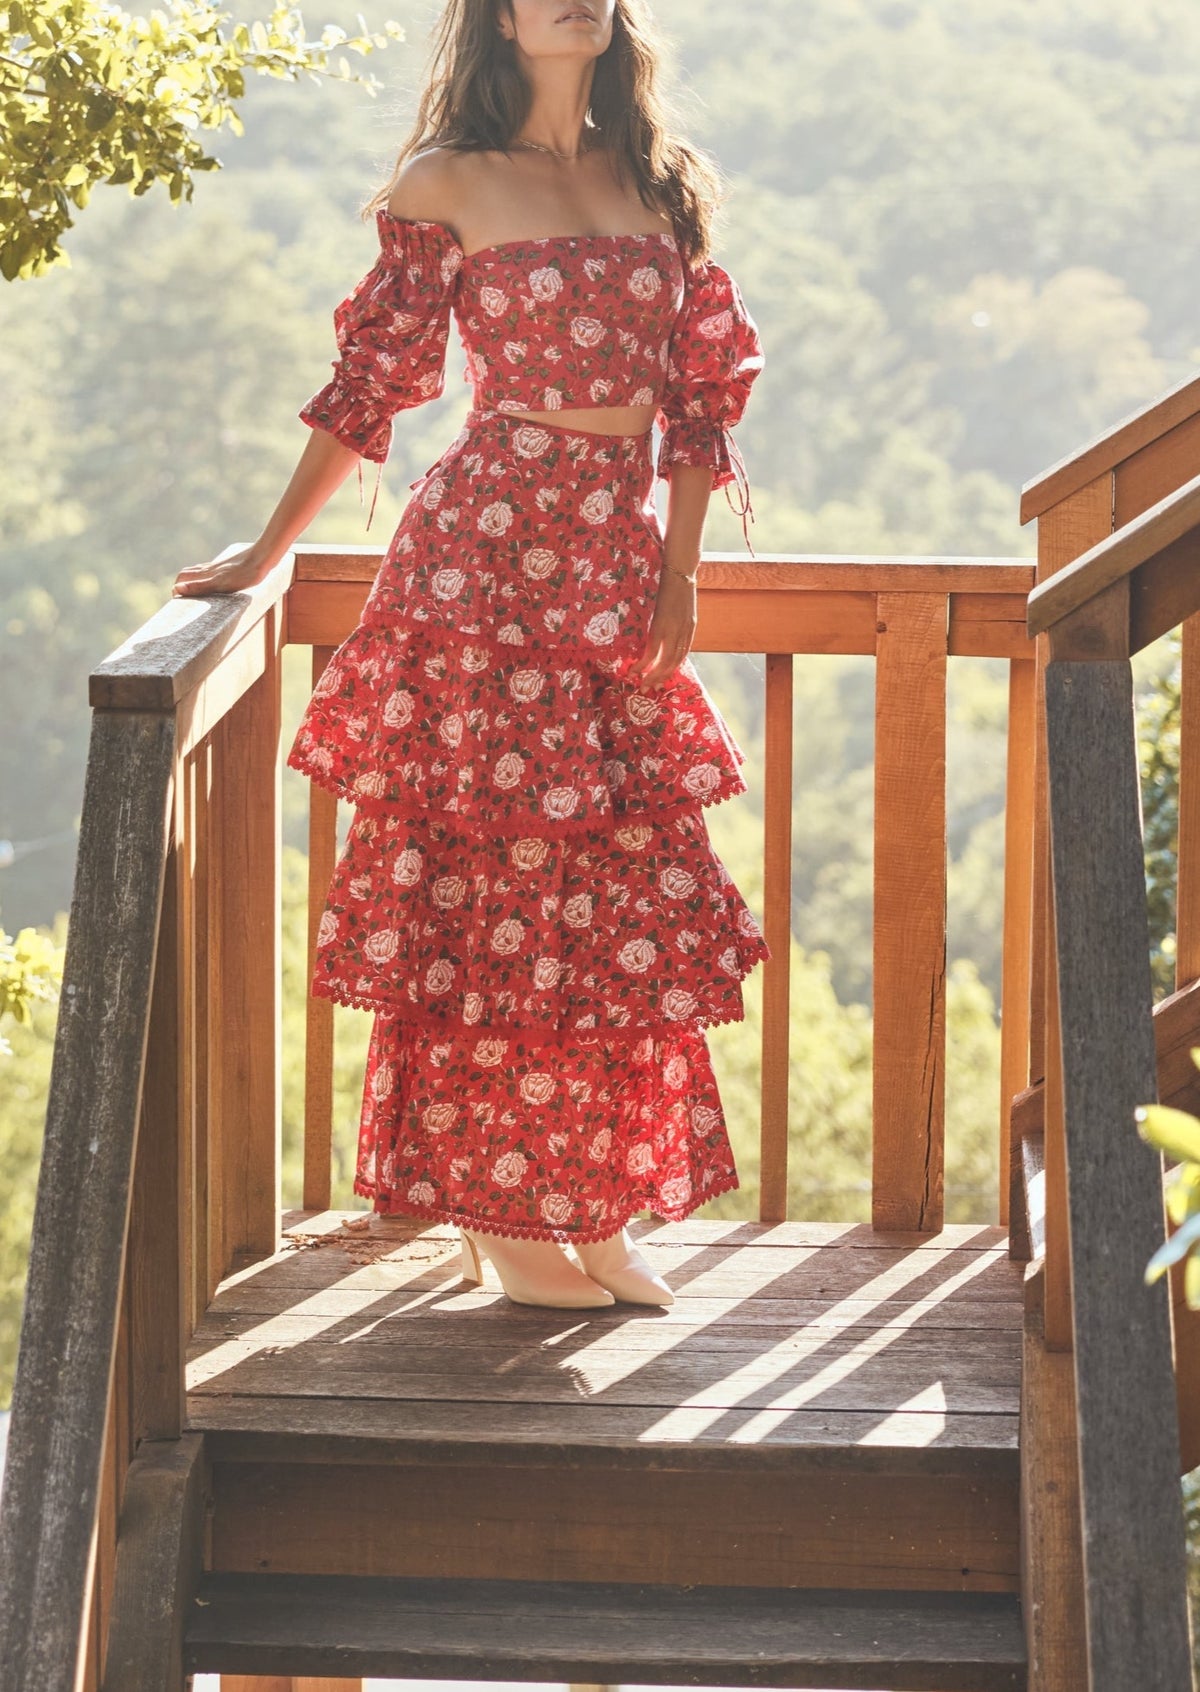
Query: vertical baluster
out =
(909, 968)
(777, 930)
(318, 1040)
(207, 1224)
(245, 1089)
(155, 1261)
(1018, 892)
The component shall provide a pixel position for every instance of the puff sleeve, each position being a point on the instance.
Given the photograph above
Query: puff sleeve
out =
(713, 358)
(392, 330)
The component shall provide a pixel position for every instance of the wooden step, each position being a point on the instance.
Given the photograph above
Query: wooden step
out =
(823, 1406)
(608, 1633)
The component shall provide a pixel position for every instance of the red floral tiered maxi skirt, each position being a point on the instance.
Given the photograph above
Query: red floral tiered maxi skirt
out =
(528, 898)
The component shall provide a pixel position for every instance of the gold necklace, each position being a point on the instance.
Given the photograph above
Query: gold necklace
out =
(539, 147)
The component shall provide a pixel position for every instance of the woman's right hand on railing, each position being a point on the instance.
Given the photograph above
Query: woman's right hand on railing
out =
(323, 467)
(242, 569)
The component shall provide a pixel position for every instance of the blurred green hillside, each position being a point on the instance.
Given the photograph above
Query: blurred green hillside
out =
(968, 233)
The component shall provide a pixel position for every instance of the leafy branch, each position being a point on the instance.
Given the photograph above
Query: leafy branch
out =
(30, 970)
(90, 93)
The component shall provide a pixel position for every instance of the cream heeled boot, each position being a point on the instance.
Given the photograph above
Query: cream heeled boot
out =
(616, 1264)
(532, 1272)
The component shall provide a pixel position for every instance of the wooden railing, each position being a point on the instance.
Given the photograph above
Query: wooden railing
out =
(162, 1154)
(911, 614)
(1118, 565)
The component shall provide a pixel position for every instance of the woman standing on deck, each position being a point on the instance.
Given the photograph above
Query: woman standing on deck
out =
(528, 898)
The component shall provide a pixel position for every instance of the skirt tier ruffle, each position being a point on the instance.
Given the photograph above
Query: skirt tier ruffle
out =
(528, 897)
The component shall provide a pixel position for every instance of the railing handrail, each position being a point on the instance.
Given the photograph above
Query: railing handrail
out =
(1119, 556)
(1111, 447)
(182, 643)
(854, 572)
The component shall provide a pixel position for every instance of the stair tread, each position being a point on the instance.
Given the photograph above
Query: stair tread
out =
(605, 1633)
(784, 1344)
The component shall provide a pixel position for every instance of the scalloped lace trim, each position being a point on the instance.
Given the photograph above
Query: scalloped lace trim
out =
(534, 1231)
(520, 827)
(533, 1033)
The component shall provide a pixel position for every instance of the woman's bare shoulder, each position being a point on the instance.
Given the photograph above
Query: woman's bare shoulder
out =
(435, 185)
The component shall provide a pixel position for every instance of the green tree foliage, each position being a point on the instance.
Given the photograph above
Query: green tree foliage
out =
(24, 1083)
(1158, 718)
(90, 93)
(30, 973)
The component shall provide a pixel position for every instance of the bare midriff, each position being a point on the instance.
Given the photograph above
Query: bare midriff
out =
(596, 420)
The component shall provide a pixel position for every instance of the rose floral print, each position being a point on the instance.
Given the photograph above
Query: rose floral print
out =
(562, 322)
(528, 898)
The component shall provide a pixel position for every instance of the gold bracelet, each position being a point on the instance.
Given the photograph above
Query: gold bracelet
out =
(676, 572)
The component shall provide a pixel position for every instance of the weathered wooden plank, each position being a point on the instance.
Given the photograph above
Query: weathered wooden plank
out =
(1058, 1296)
(1112, 448)
(784, 612)
(158, 1220)
(952, 1236)
(988, 625)
(208, 1265)
(733, 619)
(1051, 1542)
(607, 1634)
(777, 930)
(159, 1555)
(1033, 1179)
(317, 562)
(73, 1289)
(247, 895)
(1176, 1030)
(252, 1299)
(703, 1273)
(1134, 1553)
(840, 1379)
(741, 1528)
(486, 1333)
(1163, 592)
(1017, 933)
(931, 1441)
(1064, 532)
(318, 1015)
(1158, 468)
(909, 971)
(1121, 555)
(182, 644)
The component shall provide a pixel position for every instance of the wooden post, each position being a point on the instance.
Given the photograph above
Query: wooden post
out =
(69, 1328)
(245, 989)
(1065, 531)
(777, 931)
(1133, 1534)
(318, 1026)
(909, 973)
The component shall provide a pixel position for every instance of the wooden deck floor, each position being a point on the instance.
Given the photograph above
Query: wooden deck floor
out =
(802, 1335)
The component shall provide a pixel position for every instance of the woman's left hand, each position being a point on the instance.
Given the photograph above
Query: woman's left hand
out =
(671, 630)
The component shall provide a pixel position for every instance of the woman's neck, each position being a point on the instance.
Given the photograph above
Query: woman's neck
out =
(558, 109)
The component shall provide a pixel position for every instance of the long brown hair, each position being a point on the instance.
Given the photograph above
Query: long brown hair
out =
(475, 98)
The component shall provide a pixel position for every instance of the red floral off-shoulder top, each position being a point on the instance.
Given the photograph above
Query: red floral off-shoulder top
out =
(558, 322)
